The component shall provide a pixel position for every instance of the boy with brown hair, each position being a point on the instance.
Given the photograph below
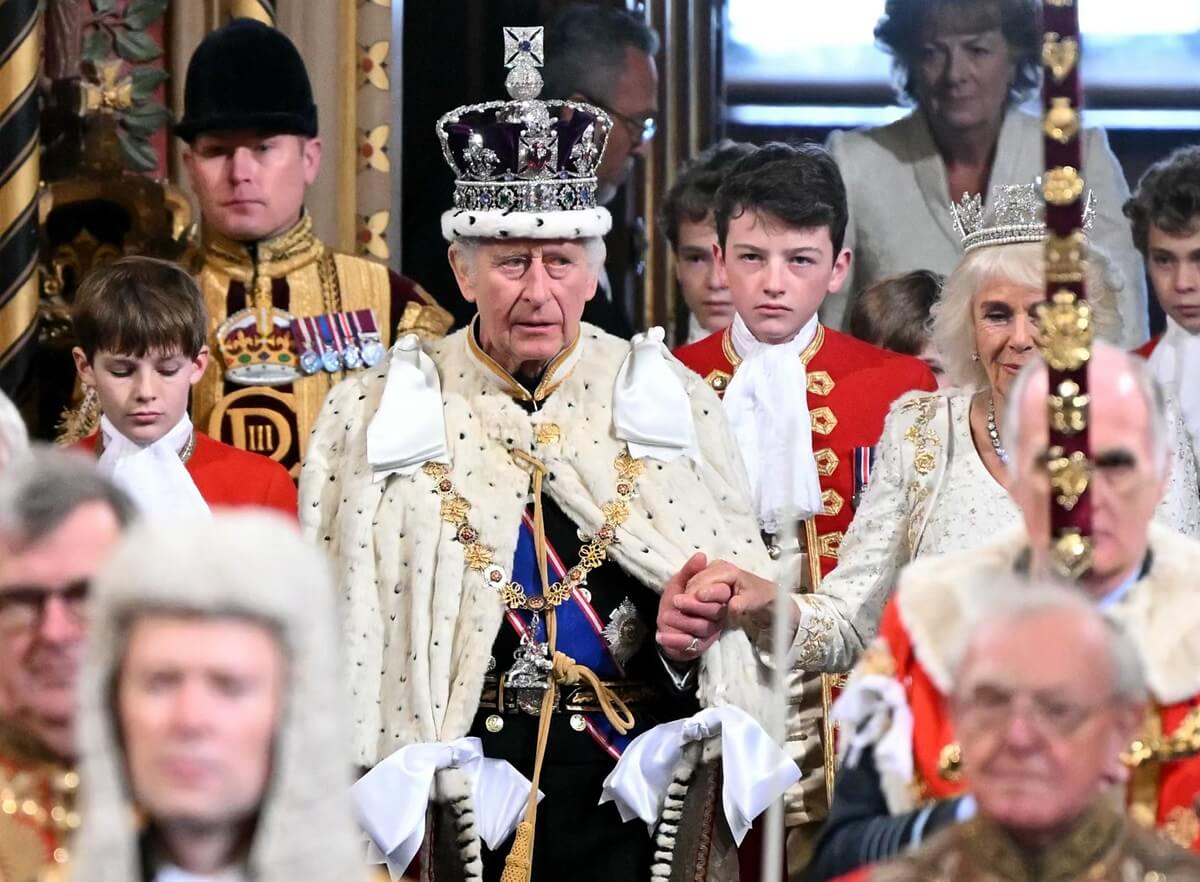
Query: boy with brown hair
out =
(686, 219)
(142, 325)
(1164, 213)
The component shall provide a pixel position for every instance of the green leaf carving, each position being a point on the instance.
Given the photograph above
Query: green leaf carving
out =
(146, 80)
(143, 13)
(96, 47)
(137, 152)
(137, 46)
(146, 118)
(104, 6)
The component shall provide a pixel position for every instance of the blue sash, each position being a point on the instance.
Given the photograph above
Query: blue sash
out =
(580, 630)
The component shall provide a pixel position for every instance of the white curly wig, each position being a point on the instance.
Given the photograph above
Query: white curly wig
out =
(14, 438)
(250, 565)
(952, 328)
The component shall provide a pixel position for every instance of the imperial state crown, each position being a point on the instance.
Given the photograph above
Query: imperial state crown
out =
(524, 168)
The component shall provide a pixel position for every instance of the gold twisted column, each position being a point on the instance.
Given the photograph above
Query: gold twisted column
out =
(20, 55)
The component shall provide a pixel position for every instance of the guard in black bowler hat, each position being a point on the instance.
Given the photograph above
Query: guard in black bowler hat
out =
(289, 316)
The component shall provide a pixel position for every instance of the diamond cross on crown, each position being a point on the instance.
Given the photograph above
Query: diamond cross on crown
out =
(523, 54)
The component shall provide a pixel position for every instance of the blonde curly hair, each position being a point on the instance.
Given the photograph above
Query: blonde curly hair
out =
(952, 328)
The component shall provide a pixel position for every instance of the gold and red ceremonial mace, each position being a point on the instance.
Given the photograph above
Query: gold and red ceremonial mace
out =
(1065, 320)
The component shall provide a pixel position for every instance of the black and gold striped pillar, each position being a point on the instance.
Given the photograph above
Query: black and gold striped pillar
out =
(20, 53)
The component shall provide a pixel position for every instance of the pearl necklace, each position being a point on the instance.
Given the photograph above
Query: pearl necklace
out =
(993, 434)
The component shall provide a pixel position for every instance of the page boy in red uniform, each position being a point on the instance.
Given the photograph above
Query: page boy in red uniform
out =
(806, 403)
(142, 325)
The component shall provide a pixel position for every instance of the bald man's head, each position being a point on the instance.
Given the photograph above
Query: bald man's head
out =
(1130, 440)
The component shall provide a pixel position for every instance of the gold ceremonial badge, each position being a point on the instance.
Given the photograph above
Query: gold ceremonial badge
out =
(1065, 331)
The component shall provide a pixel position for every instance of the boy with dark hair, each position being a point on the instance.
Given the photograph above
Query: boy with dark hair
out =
(686, 219)
(806, 403)
(1165, 215)
(142, 325)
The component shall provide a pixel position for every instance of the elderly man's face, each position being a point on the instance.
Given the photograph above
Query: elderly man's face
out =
(198, 701)
(1037, 720)
(43, 588)
(1127, 483)
(530, 296)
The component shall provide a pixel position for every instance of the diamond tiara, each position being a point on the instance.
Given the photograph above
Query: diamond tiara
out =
(1014, 213)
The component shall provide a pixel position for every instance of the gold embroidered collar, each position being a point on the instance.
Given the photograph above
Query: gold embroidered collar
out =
(557, 370)
(22, 748)
(272, 258)
(1088, 845)
(731, 353)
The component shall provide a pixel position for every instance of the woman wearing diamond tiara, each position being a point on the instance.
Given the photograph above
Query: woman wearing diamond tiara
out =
(940, 473)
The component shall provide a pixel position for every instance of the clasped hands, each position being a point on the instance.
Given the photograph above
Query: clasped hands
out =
(704, 598)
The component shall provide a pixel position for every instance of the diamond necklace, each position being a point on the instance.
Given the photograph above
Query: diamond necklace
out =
(992, 433)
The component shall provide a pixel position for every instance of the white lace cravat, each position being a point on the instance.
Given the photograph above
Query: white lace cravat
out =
(1175, 363)
(651, 409)
(154, 476)
(767, 406)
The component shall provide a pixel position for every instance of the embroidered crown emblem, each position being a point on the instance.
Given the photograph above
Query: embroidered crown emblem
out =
(258, 350)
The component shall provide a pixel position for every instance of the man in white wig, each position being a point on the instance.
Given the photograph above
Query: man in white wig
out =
(514, 516)
(14, 438)
(212, 704)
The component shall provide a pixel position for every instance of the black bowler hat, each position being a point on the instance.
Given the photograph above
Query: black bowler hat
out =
(247, 75)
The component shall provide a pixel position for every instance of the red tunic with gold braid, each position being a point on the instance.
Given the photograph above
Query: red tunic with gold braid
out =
(851, 385)
(1160, 794)
(228, 477)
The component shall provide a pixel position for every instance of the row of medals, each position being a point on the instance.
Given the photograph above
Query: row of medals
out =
(351, 357)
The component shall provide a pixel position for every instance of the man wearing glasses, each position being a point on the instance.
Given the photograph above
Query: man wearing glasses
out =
(1046, 692)
(59, 521)
(902, 777)
(604, 56)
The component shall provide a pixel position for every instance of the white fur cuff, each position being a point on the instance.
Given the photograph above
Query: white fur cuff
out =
(575, 224)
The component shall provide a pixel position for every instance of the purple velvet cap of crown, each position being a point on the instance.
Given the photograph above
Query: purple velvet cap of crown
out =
(503, 138)
(523, 156)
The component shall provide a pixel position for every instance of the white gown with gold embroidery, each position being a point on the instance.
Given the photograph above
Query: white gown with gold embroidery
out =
(929, 494)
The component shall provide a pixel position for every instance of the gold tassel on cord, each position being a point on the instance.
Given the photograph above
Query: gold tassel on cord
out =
(518, 865)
